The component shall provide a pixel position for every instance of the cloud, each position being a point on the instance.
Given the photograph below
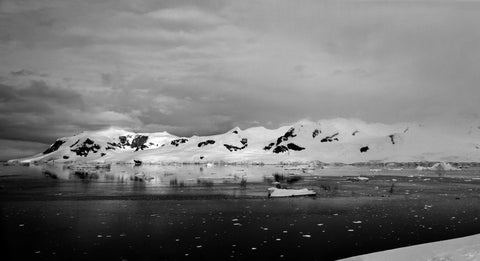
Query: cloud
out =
(206, 66)
(40, 112)
(18, 149)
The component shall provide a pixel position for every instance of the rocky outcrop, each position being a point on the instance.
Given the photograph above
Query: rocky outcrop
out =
(55, 146)
(205, 143)
(244, 142)
(178, 142)
(392, 138)
(295, 147)
(138, 143)
(269, 146)
(86, 147)
(280, 149)
(330, 138)
(289, 134)
(364, 149)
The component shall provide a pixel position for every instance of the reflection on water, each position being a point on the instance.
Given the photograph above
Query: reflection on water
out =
(175, 176)
(190, 175)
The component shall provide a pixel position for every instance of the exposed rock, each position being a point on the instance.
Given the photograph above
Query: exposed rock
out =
(234, 148)
(293, 146)
(364, 149)
(355, 132)
(315, 133)
(138, 143)
(235, 131)
(113, 145)
(280, 149)
(269, 146)
(178, 142)
(391, 136)
(205, 143)
(124, 140)
(330, 138)
(55, 146)
(87, 146)
(66, 157)
(286, 136)
(244, 141)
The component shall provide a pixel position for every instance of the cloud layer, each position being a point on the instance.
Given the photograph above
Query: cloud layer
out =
(202, 67)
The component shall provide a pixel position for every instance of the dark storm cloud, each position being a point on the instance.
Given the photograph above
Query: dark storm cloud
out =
(39, 112)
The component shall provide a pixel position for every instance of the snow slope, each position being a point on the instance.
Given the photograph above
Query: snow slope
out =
(333, 140)
(459, 249)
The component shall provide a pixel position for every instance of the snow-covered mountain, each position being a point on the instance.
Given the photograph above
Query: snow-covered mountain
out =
(334, 140)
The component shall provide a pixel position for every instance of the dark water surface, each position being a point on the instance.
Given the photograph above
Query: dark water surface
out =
(212, 215)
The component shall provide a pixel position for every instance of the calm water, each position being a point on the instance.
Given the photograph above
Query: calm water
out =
(222, 213)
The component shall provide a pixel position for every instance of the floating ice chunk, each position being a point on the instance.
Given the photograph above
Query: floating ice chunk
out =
(276, 192)
(357, 222)
(357, 179)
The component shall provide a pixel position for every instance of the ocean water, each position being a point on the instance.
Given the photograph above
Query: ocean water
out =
(192, 212)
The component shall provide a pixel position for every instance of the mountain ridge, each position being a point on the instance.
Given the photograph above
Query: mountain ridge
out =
(331, 140)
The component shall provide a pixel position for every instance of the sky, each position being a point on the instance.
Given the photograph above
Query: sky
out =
(204, 67)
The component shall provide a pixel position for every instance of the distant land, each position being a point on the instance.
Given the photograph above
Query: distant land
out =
(327, 141)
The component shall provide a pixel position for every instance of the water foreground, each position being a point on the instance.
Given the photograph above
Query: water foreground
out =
(171, 213)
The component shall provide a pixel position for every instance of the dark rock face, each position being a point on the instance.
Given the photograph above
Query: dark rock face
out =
(290, 146)
(269, 146)
(102, 154)
(205, 143)
(355, 132)
(55, 146)
(315, 133)
(295, 147)
(65, 157)
(85, 148)
(244, 142)
(233, 147)
(280, 149)
(120, 145)
(364, 149)
(123, 140)
(286, 136)
(178, 142)
(392, 140)
(236, 132)
(330, 138)
(138, 143)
